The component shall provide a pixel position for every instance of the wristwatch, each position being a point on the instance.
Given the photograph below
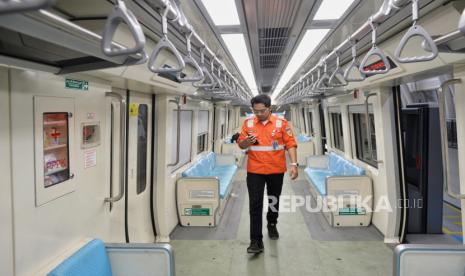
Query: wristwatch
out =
(294, 164)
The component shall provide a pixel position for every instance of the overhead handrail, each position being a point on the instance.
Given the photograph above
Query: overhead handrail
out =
(444, 138)
(462, 23)
(337, 75)
(122, 159)
(208, 79)
(119, 15)
(189, 60)
(374, 51)
(13, 6)
(166, 44)
(178, 134)
(353, 64)
(416, 30)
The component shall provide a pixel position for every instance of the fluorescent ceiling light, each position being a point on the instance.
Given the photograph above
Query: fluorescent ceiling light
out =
(332, 9)
(310, 41)
(238, 49)
(222, 12)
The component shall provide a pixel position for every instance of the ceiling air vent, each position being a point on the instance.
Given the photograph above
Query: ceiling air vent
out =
(266, 89)
(272, 43)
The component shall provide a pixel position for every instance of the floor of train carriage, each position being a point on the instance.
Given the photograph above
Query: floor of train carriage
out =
(300, 250)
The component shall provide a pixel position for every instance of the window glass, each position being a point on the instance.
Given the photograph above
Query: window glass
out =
(185, 145)
(142, 128)
(203, 121)
(310, 123)
(305, 121)
(362, 148)
(336, 125)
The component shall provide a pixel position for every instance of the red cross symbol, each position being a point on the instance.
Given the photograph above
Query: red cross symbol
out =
(55, 134)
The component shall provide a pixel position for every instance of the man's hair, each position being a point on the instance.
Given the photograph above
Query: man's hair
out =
(261, 99)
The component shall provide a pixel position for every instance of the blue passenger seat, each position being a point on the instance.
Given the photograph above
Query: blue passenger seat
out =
(90, 260)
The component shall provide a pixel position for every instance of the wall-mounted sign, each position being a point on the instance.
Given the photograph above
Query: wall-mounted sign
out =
(77, 84)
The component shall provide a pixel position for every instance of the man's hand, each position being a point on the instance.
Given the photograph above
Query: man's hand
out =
(294, 173)
(248, 141)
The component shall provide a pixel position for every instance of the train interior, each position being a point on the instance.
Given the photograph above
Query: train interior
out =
(117, 119)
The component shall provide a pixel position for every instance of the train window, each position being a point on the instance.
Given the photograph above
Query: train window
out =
(336, 126)
(202, 132)
(223, 134)
(310, 124)
(305, 121)
(56, 148)
(360, 133)
(185, 145)
(142, 128)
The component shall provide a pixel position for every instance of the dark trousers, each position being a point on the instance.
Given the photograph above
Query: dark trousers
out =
(256, 186)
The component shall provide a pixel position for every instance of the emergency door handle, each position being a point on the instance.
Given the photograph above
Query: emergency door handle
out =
(122, 164)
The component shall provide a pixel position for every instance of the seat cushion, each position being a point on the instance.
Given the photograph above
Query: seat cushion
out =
(225, 174)
(303, 138)
(90, 260)
(318, 178)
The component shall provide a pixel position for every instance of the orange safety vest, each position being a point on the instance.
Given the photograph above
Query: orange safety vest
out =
(268, 156)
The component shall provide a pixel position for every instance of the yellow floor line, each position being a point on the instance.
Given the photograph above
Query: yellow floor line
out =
(458, 223)
(449, 232)
(450, 217)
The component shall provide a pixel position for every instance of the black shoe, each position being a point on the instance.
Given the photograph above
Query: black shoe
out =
(256, 246)
(273, 231)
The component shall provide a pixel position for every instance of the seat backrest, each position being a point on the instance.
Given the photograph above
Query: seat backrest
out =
(89, 260)
(340, 166)
(201, 167)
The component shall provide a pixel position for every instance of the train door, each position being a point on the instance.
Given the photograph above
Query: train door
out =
(429, 214)
(324, 139)
(139, 179)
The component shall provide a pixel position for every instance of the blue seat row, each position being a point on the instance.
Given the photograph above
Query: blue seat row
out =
(207, 167)
(303, 138)
(337, 166)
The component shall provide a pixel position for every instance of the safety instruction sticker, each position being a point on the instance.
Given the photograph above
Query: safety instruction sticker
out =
(90, 158)
(196, 211)
(133, 109)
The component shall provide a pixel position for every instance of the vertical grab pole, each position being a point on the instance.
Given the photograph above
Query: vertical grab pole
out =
(444, 140)
(178, 134)
(122, 164)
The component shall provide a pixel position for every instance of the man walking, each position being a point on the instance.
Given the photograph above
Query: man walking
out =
(266, 137)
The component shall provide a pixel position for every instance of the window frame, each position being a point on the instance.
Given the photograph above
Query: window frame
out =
(357, 119)
(179, 165)
(337, 141)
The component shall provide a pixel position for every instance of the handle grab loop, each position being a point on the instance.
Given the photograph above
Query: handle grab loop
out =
(375, 51)
(416, 30)
(12, 6)
(122, 14)
(323, 82)
(353, 64)
(208, 78)
(189, 60)
(315, 84)
(166, 44)
(337, 77)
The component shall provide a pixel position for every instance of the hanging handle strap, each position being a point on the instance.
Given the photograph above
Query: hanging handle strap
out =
(353, 64)
(337, 77)
(189, 60)
(416, 30)
(119, 15)
(13, 6)
(375, 51)
(323, 82)
(208, 78)
(165, 44)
